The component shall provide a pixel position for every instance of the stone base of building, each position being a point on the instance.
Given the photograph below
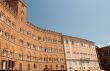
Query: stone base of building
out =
(7, 64)
(89, 70)
(86, 70)
(30, 70)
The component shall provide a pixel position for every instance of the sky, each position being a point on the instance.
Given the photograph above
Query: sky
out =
(88, 19)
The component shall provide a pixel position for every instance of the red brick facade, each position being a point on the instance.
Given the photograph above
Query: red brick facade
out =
(26, 47)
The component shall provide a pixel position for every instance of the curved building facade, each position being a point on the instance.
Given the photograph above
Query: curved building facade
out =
(24, 46)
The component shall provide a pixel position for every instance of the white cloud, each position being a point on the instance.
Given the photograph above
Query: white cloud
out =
(99, 45)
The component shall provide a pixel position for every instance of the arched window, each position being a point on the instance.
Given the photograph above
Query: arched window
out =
(45, 58)
(21, 42)
(61, 59)
(6, 35)
(50, 59)
(8, 22)
(20, 55)
(28, 56)
(40, 58)
(1, 16)
(34, 57)
(1, 31)
(56, 58)
(4, 52)
(11, 53)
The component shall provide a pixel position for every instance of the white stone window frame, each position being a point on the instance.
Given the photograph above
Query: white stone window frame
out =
(12, 38)
(11, 54)
(21, 42)
(8, 22)
(13, 24)
(28, 45)
(20, 56)
(7, 35)
(34, 46)
(1, 31)
(21, 30)
(34, 37)
(2, 16)
(4, 52)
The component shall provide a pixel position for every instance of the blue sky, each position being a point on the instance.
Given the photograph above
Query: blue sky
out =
(89, 19)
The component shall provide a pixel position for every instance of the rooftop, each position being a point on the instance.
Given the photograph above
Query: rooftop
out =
(36, 27)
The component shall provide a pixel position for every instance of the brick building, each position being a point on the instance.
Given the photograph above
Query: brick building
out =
(104, 57)
(80, 54)
(24, 46)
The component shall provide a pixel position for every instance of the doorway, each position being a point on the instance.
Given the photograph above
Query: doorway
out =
(11, 65)
(20, 66)
(4, 64)
(62, 67)
(28, 67)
